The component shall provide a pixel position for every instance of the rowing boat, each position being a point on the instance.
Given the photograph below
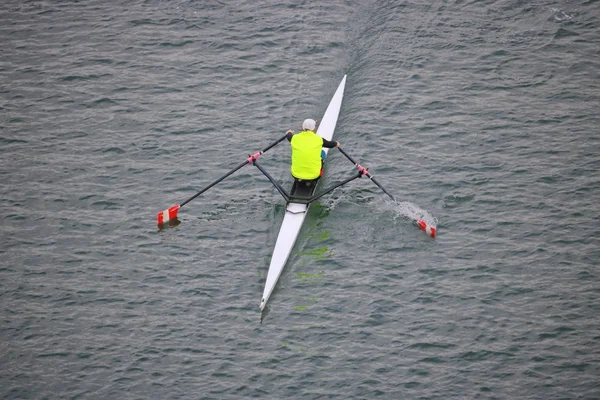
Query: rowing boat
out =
(297, 202)
(296, 211)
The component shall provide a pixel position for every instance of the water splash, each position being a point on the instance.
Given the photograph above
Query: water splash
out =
(400, 209)
(559, 15)
(405, 209)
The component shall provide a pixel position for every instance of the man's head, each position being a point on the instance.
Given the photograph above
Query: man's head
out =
(309, 125)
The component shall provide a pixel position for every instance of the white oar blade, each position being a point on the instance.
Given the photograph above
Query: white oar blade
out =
(167, 215)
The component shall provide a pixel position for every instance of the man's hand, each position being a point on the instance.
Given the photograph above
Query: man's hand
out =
(338, 144)
(289, 131)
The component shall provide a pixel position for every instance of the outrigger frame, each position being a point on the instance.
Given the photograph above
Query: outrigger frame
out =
(303, 200)
(362, 171)
(170, 214)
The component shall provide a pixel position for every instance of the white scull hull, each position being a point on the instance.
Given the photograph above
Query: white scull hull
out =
(295, 213)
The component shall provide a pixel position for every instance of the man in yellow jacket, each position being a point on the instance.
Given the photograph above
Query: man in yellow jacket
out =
(307, 146)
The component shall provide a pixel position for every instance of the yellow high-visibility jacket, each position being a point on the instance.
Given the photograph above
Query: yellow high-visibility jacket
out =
(306, 155)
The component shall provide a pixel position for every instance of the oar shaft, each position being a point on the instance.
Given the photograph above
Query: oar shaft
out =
(367, 174)
(429, 229)
(381, 187)
(275, 143)
(214, 183)
(232, 171)
(347, 155)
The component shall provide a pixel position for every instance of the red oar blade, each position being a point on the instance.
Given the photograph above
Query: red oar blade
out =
(167, 215)
(428, 229)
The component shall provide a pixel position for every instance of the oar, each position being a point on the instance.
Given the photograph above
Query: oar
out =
(171, 213)
(430, 230)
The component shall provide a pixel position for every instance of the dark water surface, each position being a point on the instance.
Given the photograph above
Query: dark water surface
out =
(484, 114)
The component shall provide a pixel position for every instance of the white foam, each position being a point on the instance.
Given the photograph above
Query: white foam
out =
(412, 211)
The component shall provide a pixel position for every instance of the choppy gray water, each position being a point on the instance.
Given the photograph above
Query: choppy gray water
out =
(484, 114)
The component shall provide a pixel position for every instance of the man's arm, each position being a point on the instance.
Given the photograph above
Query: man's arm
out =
(330, 143)
(289, 135)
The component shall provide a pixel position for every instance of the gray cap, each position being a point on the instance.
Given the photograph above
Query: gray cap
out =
(309, 124)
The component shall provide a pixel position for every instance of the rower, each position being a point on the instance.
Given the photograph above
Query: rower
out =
(307, 156)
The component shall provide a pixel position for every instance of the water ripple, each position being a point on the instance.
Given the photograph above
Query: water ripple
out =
(482, 116)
